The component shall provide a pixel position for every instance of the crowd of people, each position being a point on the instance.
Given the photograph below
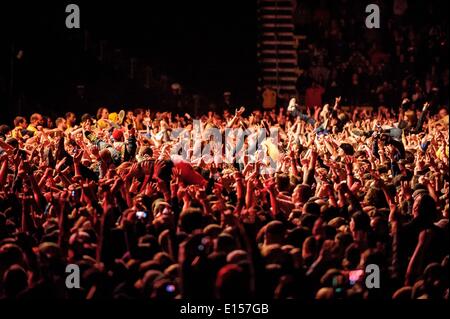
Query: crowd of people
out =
(111, 193)
(406, 57)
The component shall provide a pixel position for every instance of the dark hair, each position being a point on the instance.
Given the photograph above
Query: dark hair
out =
(191, 219)
(19, 120)
(232, 282)
(275, 228)
(4, 129)
(166, 172)
(69, 114)
(138, 111)
(427, 207)
(99, 112)
(86, 117)
(146, 150)
(312, 208)
(283, 182)
(361, 221)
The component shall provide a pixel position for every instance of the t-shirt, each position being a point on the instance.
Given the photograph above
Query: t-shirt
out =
(17, 132)
(31, 128)
(187, 173)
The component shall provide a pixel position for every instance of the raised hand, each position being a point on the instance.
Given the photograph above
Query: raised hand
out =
(48, 172)
(240, 111)
(175, 182)
(337, 100)
(146, 167)
(134, 187)
(200, 194)
(270, 184)
(134, 169)
(77, 157)
(60, 164)
(23, 168)
(118, 183)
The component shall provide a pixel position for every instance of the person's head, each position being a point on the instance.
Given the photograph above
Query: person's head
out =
(130, 115)
(227, 97)
(301, 194)
(15, 280)
(61, 123)
(443, 112)
(139, 114)
(20, 121)
(36, 119)
(4, 131)
(274, 233)
(12, 141)
(424, 207)
(410, 117)
(48, 122)
(102, 113)
(352, 256)
(309, 248)
(146, 152)
(373, 256)
(176, 88)
(191, 219)
(117, 135)
(360, 222)
(224, 243)
(283, 182)
(70, 119)
(380, 226)
(164, 289)
(433, 279)
(86, 118)
(106, 157)
(311, 208)
(232, 282)
(403, 293)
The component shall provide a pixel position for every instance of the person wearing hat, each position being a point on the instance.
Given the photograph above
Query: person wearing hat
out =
(119, 152)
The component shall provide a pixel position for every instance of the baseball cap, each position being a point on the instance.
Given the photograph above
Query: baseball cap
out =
(117, 134)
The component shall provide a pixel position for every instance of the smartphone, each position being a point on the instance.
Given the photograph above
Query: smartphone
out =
(141, 214)
(204, 245)
(170, 288)
(354, 276)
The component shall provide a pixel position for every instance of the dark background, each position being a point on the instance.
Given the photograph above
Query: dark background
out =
(207, 46)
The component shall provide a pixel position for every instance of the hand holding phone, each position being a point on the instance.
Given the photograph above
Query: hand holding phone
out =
(141, 214)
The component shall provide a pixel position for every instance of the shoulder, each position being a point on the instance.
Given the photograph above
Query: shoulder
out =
(426, 235)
